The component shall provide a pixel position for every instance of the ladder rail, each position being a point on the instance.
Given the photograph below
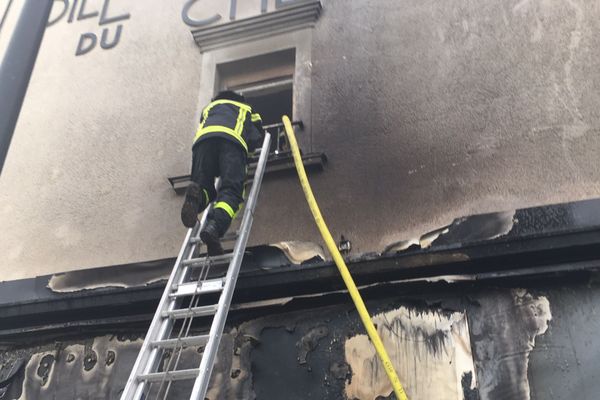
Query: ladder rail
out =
(167, 326)
(178, 342)
(162, 325)
(208, 358)
(148, 356)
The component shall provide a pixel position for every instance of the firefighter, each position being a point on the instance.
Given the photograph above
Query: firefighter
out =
(228, 131)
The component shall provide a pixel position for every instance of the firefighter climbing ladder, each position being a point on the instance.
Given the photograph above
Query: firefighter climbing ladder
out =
(147, 369)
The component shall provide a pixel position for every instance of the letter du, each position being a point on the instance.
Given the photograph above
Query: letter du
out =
(88, 41)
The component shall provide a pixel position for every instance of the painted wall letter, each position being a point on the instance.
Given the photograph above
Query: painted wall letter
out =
(104, 41)
(107, 20)
(72, 13)
(82, 14)
(61, 15)
(185, 16)
(82, 47)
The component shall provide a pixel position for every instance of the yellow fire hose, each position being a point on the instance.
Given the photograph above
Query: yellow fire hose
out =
(339, 261)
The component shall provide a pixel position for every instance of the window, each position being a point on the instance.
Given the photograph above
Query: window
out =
(272, 99)
(267, 82)
(273, 71)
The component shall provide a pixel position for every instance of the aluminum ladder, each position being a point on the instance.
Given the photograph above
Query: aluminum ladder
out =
(159, 337)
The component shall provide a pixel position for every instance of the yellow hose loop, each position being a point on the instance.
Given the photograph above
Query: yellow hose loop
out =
(341, 264)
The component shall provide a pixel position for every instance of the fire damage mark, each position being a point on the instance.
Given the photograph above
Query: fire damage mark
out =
(430, 350)
(310, 341)
(300, 252)
(96, 369)
(147, 273)
(44, 368)
(9, 371)
(474, 228)
(320, 353)
(255, 360)
(469, 393)
(328, 358)
(423, 242)
(477, 228)
(129, 275)
(503, 330)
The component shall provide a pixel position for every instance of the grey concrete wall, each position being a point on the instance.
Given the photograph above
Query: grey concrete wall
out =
(427, 111)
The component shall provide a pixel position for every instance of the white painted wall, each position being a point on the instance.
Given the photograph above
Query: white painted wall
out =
(85, 180)
(427, 112)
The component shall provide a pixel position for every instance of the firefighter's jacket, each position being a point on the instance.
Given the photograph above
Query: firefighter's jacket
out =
(233, 121)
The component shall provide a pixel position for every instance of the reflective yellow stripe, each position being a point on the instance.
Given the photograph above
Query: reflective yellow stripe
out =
(224, 129)
(239, 125)
(235, 103)
(213, 128)
(256, 117)
(225, 207)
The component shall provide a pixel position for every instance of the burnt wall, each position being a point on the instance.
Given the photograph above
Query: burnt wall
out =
(431, 110)
(535, 343)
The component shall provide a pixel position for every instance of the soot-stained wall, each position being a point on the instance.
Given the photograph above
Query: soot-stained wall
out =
(427, 112)
(522, 344)
(436, 109)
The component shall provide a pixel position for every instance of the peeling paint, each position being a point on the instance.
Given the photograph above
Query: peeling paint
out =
(483, 227)
(423, 242)
(473, 228)
(93, 365)
(128, 276)
(426, 240)
(147, 273)
(310, 341)
(298, 252)
(430, 350)
(317, 354)
(504, 332)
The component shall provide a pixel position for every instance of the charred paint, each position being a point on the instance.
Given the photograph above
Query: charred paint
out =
(475, 228)
(44, 368)
(504, 330)
(261, 357)
(147, 273)
(310, 341)
(469, 393)
(430, 351)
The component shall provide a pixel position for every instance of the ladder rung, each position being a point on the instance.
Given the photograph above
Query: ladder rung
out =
(184, 341)
(150, 356)
(170, 376)
(191, 288)
(217, 260)
(192, 312)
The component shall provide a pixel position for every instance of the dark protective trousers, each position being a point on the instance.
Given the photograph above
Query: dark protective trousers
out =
(219, 157)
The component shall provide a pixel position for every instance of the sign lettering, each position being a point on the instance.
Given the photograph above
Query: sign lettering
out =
(196, 23)
(88, 40)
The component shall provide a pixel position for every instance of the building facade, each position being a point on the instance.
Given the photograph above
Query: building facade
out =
(425, 111)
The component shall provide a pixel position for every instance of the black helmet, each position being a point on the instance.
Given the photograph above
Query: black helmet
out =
(230, 95)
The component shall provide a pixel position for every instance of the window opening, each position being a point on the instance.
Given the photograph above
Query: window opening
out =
(272, 99)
